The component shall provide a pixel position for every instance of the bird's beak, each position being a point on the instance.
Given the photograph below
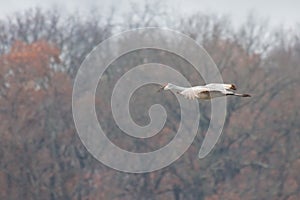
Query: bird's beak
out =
(161, 89)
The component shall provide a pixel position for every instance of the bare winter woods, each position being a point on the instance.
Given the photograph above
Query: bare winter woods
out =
(41, 156)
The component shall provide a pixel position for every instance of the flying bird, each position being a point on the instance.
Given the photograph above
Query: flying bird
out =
(205, 92)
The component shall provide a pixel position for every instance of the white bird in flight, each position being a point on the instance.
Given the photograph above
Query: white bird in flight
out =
(206, 92)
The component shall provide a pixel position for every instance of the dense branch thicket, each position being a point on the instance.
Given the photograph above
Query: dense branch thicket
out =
(258, 156)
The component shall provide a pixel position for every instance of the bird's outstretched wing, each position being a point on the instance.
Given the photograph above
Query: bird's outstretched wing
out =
(201, 92)
(220, 86)
(190, 93)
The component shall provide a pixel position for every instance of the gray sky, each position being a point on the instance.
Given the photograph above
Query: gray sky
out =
(278, 11)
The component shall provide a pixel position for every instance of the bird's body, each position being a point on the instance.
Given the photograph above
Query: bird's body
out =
(208, 91)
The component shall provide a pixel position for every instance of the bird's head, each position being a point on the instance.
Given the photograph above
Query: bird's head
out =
(166, 86)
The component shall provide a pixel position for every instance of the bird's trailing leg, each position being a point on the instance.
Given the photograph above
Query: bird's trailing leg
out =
(239, 95)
